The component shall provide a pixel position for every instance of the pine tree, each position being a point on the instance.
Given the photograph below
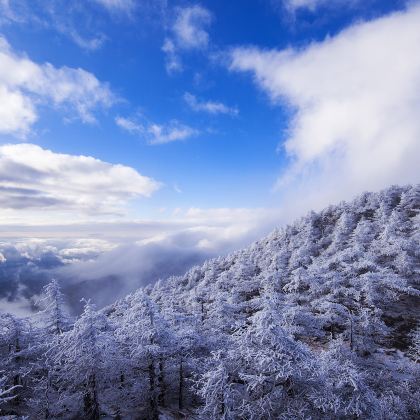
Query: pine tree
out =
(54, 315)
(84, 364)
(18, 351)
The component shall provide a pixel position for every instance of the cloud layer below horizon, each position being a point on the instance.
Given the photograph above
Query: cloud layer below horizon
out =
(105, 261)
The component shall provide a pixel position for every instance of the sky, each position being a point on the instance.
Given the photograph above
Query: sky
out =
(198, 125)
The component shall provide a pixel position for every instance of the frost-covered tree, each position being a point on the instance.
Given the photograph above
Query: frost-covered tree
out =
(84, 365)
(53, 320)
(53, 314)
(18, 351)
(275, 367)
(220, 388)
(6, 393)
(151, 346)
(343, 391)
(414, 350)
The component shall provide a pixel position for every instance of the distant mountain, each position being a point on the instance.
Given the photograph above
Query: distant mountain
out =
(319, 320)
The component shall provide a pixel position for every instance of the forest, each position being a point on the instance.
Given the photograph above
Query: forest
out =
(319, 320)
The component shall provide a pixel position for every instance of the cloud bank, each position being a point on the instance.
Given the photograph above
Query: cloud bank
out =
(26, 265)
(355, 104)
(32, 177)
(113, 259)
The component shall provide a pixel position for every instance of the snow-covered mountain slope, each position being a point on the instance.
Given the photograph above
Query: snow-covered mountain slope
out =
(343, 283)
(360, 258)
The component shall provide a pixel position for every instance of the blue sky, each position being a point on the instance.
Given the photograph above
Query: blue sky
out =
(181, 99)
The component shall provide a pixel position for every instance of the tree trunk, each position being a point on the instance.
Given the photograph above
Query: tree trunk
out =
(152, 398)
(351, 331)
(91, 404)
(17, 379)
(161, 382)
(181, 386)
(47, 397)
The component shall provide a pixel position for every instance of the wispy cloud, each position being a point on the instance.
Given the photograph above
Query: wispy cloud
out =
(125, 6)
(211, 107)
(190, 27)
(356, 106)
(129, 125)
(24, 85)
(307, 4)
(84, 22)
(173, 61)
(173, 131)
(73, 21)
(188, 32)
(157, 133)
(313, 5)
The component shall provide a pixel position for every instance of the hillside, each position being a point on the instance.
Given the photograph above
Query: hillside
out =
(318, 320)
(360, 258)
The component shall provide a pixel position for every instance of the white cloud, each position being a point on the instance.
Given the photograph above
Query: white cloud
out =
(76, 23)
(210, 107)
(157, 133)
(125, 6)
(84, 22)
(312, 5)
(174, 131)
(34, 178)
(129, 125)
(189, 27)
(26, 85)
(19, 114)
(88, 43)
(304, 4)
(189, 32)
(356, 105)
(172, 60)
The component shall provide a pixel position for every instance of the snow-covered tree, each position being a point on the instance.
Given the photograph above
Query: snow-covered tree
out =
(343, 391)
(6, 393)
(54, 315)
(275, 367)
(18, 351)
(220, 388)
(84, 365)
(151, 346)
(414, 350)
